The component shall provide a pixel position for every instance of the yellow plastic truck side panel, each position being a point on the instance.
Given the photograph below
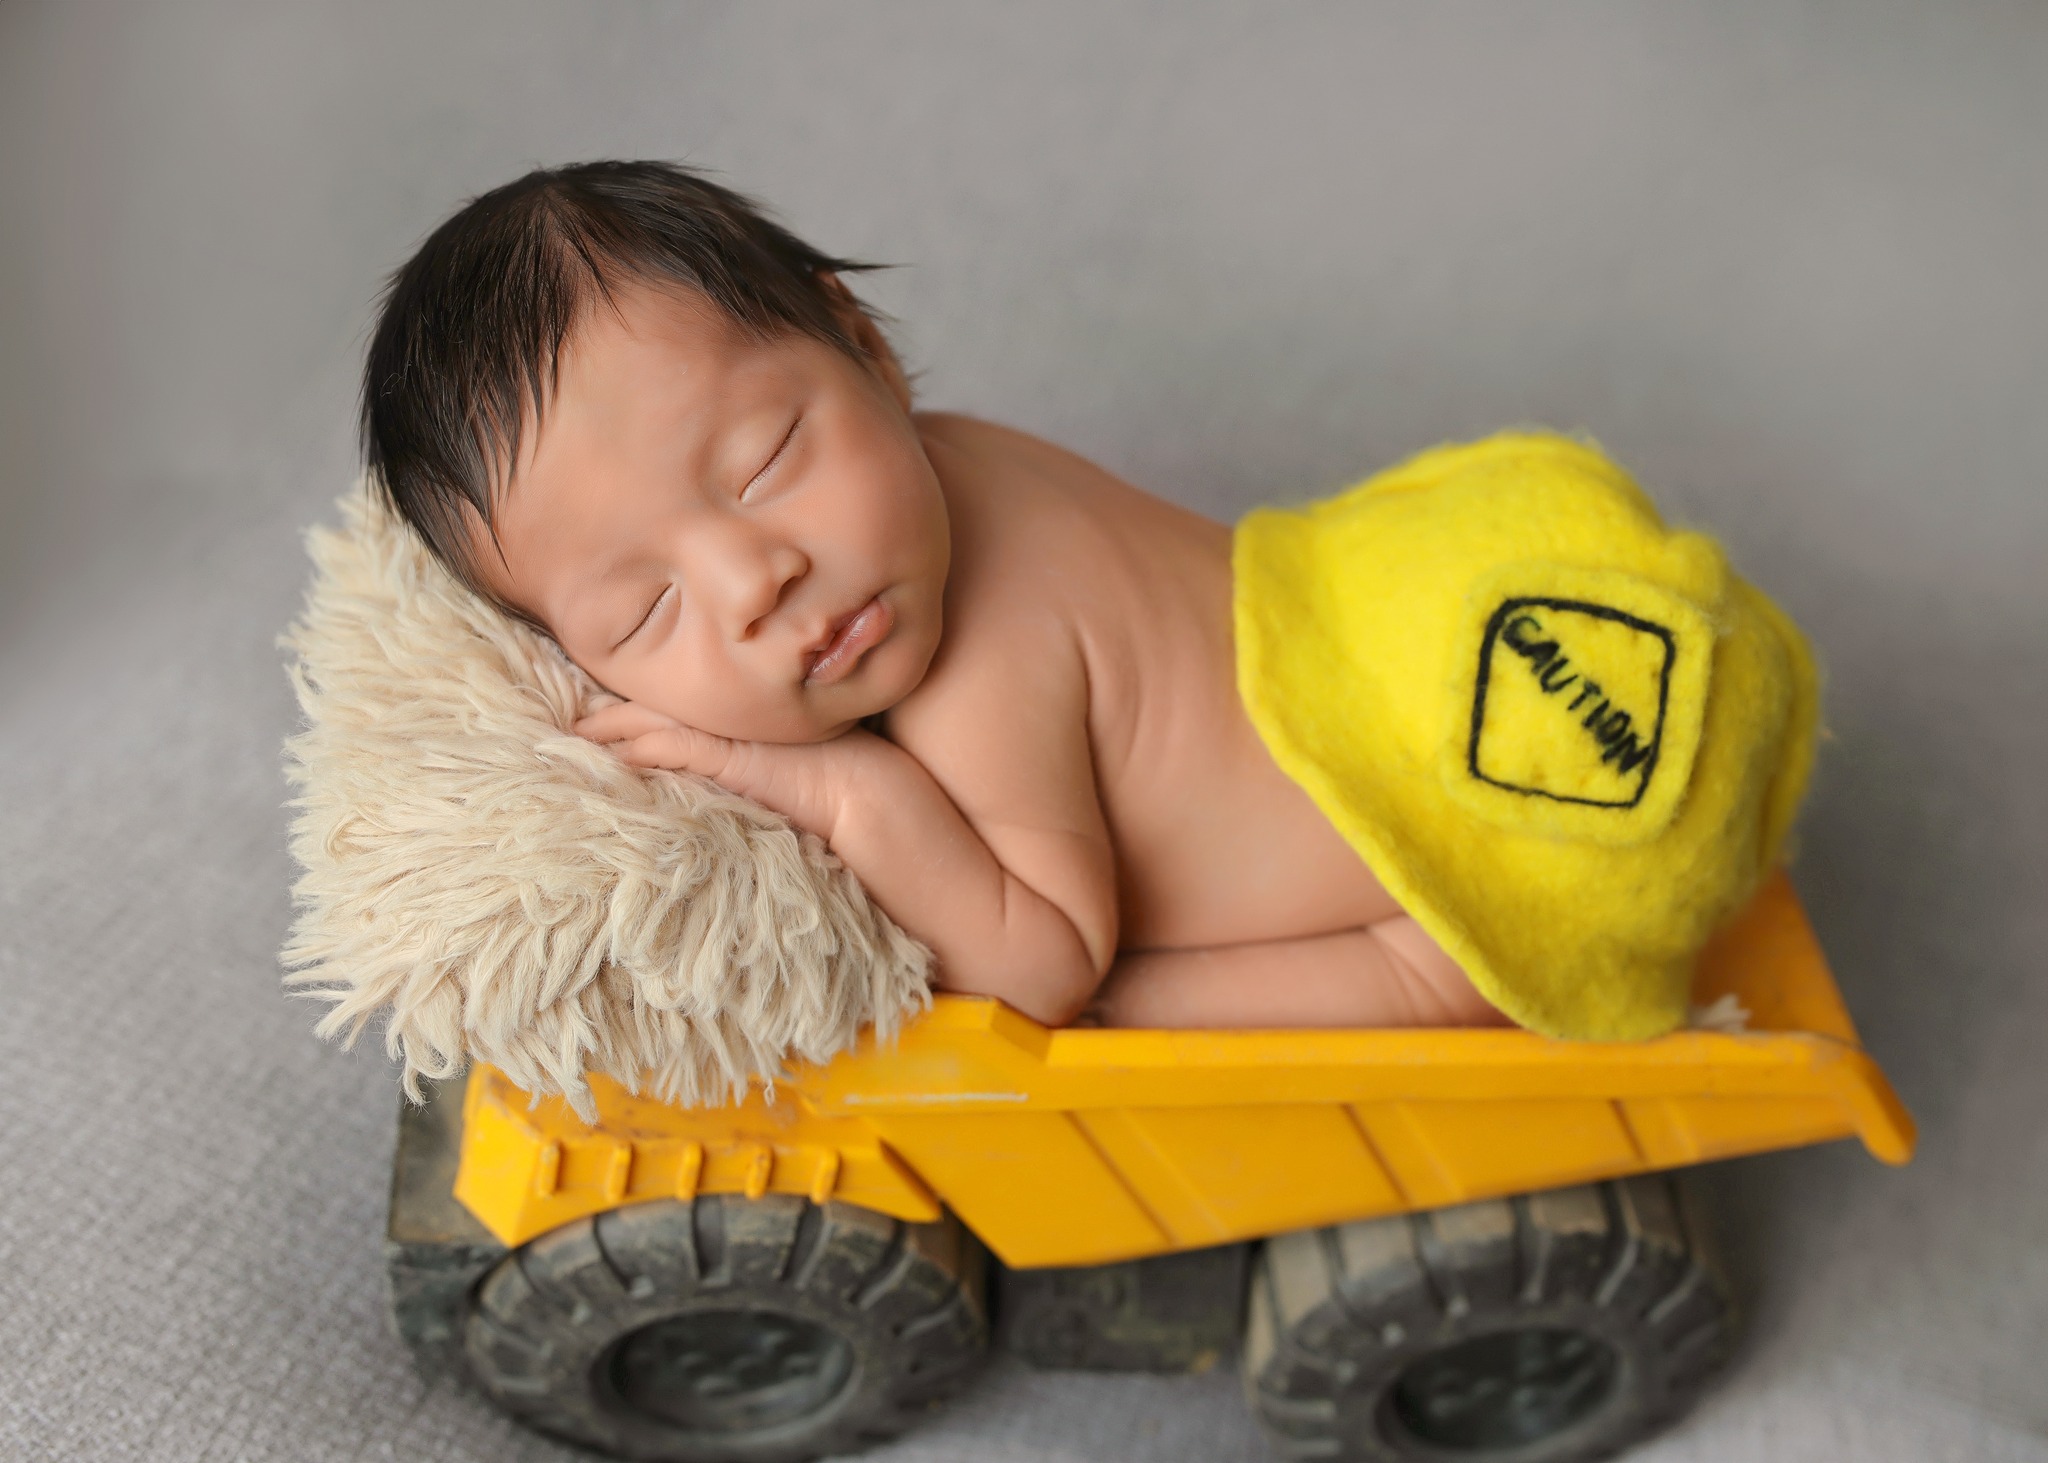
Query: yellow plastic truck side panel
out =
(1678, 1131)
(1032, 1184)
(1221, 1173)
(1448, 1152)
(527, 1169)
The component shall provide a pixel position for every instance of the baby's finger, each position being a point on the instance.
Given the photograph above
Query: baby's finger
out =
(678, 749)
(623, 721)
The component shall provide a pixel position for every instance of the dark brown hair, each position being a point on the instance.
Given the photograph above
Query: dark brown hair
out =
(470, 330)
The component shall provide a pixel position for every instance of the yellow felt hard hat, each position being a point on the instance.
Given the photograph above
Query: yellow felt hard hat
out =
(1566, 738)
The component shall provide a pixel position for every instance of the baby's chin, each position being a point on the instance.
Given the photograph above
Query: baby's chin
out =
(795, 722)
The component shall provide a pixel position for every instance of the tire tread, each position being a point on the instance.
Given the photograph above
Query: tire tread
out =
(1337, 1315)
(907, 1297)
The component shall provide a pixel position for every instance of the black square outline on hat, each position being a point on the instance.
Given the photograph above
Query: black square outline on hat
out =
(1486, 643)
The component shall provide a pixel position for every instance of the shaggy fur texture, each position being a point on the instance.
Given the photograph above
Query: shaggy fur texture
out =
(508, 892)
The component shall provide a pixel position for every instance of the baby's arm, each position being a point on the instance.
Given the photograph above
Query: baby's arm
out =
(1021, 910)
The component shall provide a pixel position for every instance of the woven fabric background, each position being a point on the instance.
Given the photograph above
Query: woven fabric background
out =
(1785, 260)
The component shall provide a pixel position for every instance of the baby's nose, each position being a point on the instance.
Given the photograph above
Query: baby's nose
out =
(750, 580)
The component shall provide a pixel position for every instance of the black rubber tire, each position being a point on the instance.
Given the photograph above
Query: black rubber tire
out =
(729, 1330)
(1548, 1328)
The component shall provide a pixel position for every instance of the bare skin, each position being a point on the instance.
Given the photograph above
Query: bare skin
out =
(758, 545)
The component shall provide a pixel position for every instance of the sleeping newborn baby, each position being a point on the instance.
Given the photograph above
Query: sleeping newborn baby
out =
(1101, 754)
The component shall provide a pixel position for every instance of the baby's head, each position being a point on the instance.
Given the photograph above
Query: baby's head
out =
(619, 402)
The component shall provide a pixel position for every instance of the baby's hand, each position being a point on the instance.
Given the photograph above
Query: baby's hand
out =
(807, 784)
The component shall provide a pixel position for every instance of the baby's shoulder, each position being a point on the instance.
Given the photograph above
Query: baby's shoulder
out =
(1017, 595)
(1043, 537)
(1028, 496)
(991, 451)
(995, 445)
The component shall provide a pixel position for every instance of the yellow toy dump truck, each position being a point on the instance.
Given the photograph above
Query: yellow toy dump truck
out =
(1437, 1244)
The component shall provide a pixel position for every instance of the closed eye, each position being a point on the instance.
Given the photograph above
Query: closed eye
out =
(648, 618)
(773, 458)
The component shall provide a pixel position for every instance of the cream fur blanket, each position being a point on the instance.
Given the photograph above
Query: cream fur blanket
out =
(505, 891)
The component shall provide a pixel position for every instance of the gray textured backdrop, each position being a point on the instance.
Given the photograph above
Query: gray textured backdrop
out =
(1786, 260)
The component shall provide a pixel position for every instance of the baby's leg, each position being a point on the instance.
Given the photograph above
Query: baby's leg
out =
(1386, 974)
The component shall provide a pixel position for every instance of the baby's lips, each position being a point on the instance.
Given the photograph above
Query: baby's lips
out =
(856, 636)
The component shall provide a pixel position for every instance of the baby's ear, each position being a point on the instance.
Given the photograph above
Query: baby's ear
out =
(867, 334)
